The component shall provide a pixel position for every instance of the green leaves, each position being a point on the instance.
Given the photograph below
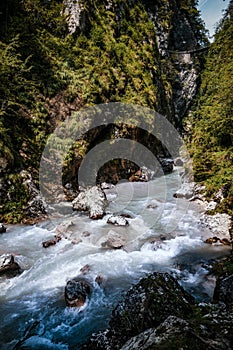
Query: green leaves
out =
(212, 139)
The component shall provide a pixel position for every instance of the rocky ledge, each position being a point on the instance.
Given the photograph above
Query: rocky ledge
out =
(218, 224)
(157, 313)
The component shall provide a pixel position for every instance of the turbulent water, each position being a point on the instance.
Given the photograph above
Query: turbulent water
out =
(163, 235)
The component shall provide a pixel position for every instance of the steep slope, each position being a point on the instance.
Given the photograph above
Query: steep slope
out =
(212, 138)
(57, 57)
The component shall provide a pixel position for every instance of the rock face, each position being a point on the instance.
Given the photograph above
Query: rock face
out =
(146, 305)
(173, 333)
(77, 291)
(158, 314)
(36, 207)
(8, 265)
(223, 292)
(93, 200)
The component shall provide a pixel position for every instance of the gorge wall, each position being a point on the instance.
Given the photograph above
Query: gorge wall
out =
(60, 56)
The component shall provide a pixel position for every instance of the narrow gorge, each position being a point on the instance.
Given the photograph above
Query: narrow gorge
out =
(116, 165)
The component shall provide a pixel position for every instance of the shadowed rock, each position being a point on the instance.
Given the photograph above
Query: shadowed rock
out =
(2, 228)
(8, 265)
(77, 291)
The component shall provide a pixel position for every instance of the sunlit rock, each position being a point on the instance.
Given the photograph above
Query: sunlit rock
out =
(118, 220)
(93, 200)
(114, 241)
(8, 265)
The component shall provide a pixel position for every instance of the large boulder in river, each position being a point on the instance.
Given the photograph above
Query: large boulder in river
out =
(77, 290)
(93, 200)
(8, 265)
(146, 305)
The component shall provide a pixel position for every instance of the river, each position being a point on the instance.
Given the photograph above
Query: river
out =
(164, 234)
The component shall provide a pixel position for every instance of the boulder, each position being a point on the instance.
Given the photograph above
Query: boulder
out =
(166, 164)
(2, 228)
(118, 220)
(146, 305)
(93, 200)
(178, 162)
(77, 291)
(8, 265)
(186, 191)
(113, 241)
(51, 242)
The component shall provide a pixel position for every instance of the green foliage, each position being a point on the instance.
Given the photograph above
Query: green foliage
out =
(114, 58)
(212, 139)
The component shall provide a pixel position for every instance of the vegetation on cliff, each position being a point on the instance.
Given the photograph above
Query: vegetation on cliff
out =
(212, 130)
(47, 73)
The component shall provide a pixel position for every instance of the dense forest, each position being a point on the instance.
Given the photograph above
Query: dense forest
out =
(212, 129)
(119, 51)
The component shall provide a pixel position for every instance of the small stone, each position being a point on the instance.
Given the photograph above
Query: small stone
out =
(86, 234)
(2, 228)
(51, 242)
(225, 241)
(85, 269)
(117, 220)
(212, 240)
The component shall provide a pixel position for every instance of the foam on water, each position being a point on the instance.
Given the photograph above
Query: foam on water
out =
(163, 233)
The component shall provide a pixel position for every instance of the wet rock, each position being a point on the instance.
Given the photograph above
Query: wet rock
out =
(166, 164)
(114, 241)
(178, 162)
(225, 241)
(8, 265)
(186, 191)
(173, 333)
(99, 280)
(85, 269)
(146, 305)
(64, 228)
(118, 220)
(77, 291)
(2, 228)
(212, 240)
(51, 242)
(143, 175)
(86, 234)
(93, 200)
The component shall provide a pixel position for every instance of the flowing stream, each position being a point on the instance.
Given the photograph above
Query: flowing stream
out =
(163, 235)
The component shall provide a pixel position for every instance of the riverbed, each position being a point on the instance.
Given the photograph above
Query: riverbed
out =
(164, 234)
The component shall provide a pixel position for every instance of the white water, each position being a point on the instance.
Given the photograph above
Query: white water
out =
(163, 237)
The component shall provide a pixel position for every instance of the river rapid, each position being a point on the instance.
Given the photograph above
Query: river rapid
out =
(164, 234)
